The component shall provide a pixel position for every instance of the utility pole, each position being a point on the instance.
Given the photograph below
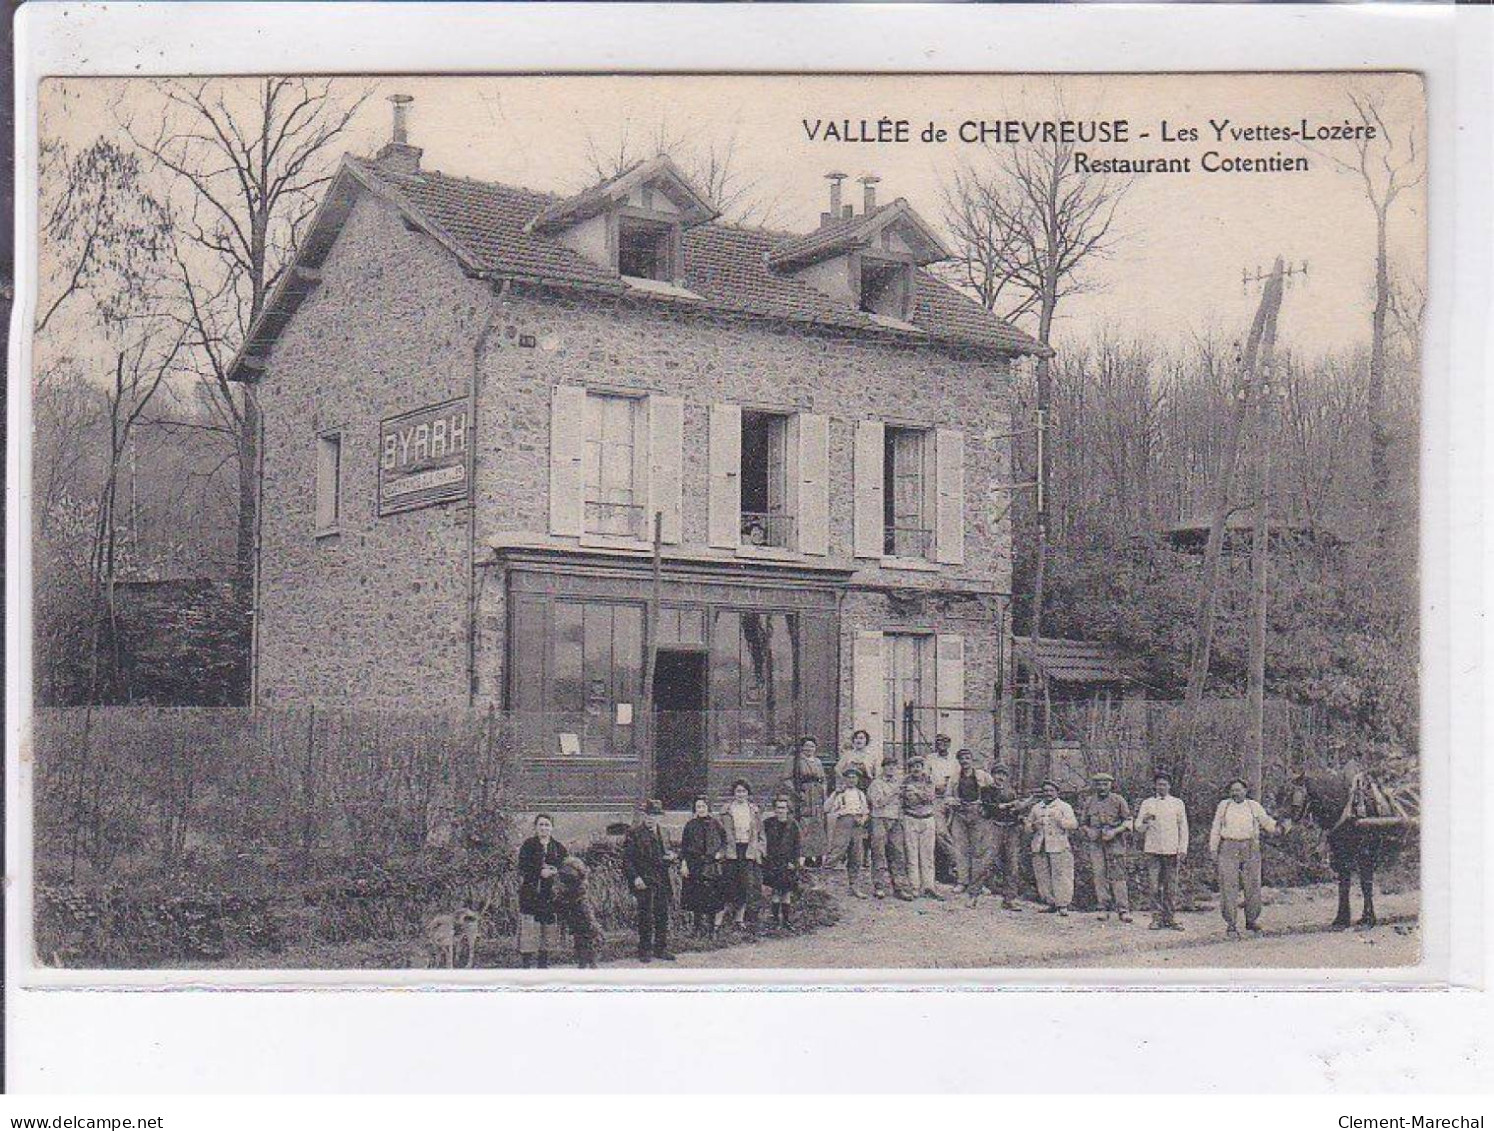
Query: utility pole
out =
(1262, 330)
(1268, 392)
(650, 662)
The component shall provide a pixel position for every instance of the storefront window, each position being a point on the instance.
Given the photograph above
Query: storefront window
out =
(596, 667)
(755, 676)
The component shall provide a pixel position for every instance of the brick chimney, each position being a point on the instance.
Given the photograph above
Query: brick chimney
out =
(835, 213)
(399, 156)
(869, 184)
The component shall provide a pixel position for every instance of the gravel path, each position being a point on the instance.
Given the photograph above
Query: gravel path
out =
(950, 935)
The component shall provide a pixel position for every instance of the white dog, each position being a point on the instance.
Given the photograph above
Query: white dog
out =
(445, 936)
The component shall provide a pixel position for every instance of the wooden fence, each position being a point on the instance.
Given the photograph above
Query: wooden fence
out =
(1134, 739)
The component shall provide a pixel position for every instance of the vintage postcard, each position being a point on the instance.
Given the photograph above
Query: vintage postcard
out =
(677, 525)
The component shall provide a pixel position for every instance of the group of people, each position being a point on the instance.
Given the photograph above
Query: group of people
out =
(892, 820)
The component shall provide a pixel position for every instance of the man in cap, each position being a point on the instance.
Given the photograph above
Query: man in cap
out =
(1005, 812)
(918, 827)
(1050, 821)
(1235, 843)
(646, 859)
(1162, 821)
(1104, 818)
(888, 842)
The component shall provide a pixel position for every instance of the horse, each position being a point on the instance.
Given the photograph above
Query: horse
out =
(1357, 841)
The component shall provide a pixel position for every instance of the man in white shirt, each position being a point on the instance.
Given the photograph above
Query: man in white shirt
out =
(1050, 821)
(848, 815)
(944, 771)
(1235, 843)
(1163, 823)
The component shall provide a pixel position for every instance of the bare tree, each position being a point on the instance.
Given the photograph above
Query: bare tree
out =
(1386, 163)
(1025, 228)
(712, 163)
(100, 226)
(247, 163)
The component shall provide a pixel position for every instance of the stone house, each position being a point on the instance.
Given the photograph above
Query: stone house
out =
(518, 449)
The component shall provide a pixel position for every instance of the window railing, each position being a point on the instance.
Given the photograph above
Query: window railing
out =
(622, 520)
(767, 529)
(907, 542)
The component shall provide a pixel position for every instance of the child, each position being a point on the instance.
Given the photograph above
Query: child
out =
(577, 912)
(847, 812)
(782, 859)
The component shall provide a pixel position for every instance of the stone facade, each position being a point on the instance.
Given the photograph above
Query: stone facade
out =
(378, 612)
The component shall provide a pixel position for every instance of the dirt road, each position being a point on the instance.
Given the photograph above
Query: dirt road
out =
(928, 934)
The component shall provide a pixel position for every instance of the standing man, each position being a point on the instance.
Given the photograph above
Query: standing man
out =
(967, 822)
(1235, 843)
(1050, 821)
(1005, 811)
(848, 815)
(944, 770)
(918, 828)
(646, 860)
(1163, 821)
(888, 847)
(1104, 818)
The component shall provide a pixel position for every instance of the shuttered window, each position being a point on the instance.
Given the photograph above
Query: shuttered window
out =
(724, 489)
(949, 504)
(666, 417)
(949, 684)
(923, 689)
(867, 474)
(812, 476)
(610, 467)
(567, 455)
(328, 482)
(868, 685)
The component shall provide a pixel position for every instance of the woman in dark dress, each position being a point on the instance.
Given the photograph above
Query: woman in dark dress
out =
(804, 782)
(702, 848)
(540, 858)
(783, 857)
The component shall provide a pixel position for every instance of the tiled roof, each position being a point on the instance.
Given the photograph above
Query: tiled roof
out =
(839, 235)
(727, 266)
(1074, 661)
(590, 201)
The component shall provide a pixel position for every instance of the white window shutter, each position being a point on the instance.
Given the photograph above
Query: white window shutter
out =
(813, 516)
(567, 449)
(725, 498)
(949, 506)
(869, 519)
(868, 686)
(666, 425)
(949, 680)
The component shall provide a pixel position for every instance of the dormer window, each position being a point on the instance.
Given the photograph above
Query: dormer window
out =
(886, 288)
(632, 224)
(647, 248)
(867, 261)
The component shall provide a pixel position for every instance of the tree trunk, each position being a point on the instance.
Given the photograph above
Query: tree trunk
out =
(248, 487)
(1379, 435)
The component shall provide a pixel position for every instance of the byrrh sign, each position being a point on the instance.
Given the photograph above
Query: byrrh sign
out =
(424, 457)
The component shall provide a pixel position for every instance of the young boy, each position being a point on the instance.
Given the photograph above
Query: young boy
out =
(847, 812)
(783, 858)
